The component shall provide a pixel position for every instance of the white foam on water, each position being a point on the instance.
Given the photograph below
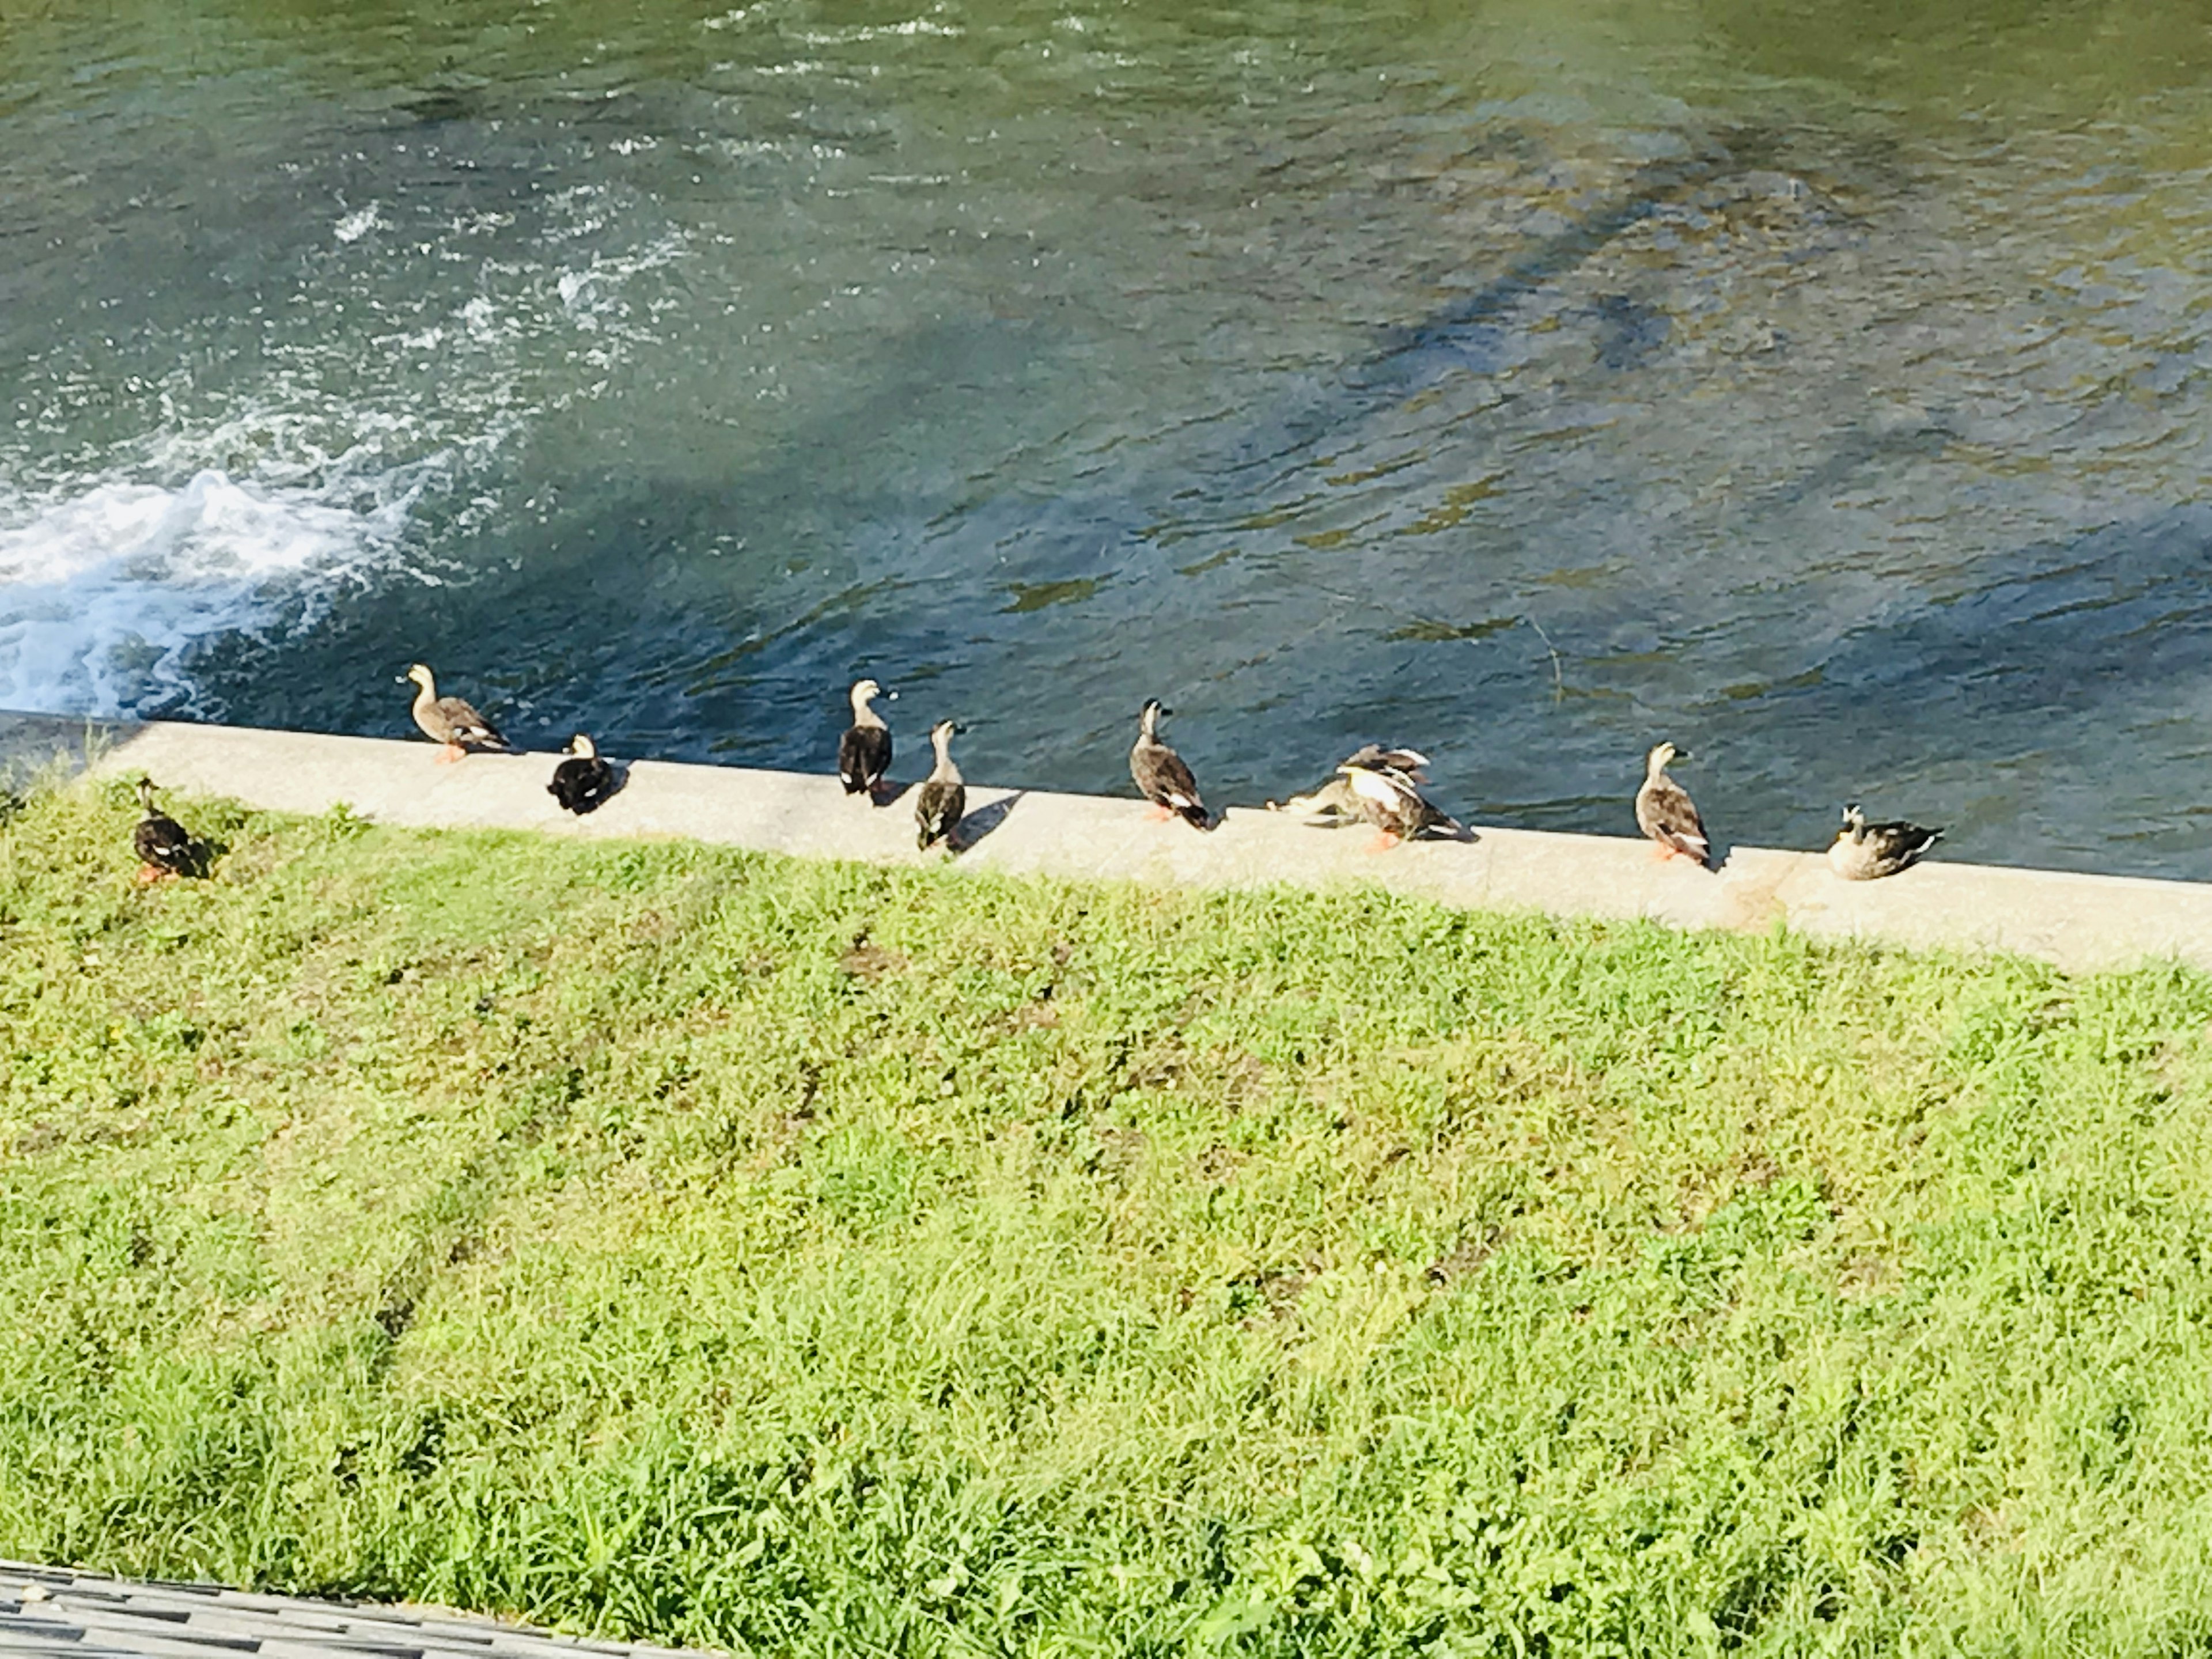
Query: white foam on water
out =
(855, 34)
(104, 594)
(370, 444)
(593, 295)
(358, 224)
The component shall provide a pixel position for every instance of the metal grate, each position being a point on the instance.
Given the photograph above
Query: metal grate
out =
(55, 1613)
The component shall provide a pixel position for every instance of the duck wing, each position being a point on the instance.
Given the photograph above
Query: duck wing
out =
(581, 782)
(1391, 793)
(1428, 815)
(1164, 780)
(163, 842)
(864, 754)
(1665, 812)
(464, 726)
(1375, 758)
(1898, 846)
(938, 811)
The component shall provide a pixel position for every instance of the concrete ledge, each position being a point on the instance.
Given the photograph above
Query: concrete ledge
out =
(2076, 922)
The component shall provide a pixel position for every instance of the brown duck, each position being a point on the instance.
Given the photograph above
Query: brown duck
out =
(943, 799)
(864, 753)
(1160, 775)
(450, 722)
(1387, 784)
(1867, 852)
(165, 848)
(1665, 811)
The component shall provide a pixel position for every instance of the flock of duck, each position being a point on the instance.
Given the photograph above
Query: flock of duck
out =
(1381, 785)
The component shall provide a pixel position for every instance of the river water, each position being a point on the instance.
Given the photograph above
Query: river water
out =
(1524, 382)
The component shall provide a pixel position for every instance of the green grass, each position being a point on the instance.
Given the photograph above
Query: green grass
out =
(801, 1258)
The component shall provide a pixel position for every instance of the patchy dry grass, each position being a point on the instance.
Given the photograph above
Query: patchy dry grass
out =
(800, 1258)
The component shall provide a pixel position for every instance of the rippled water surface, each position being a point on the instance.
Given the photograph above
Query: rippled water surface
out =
(1525, 382)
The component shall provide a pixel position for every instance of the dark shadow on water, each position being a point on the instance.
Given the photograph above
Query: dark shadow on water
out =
(2072, 626)
(1400, 358)
(683, 663)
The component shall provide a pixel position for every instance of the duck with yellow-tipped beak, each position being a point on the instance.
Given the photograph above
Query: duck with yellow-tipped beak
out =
(450, 722)
(864, 753)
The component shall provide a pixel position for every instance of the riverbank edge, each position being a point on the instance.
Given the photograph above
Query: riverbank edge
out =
(2075, 921)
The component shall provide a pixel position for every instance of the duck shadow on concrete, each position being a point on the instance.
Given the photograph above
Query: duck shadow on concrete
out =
(982, 822)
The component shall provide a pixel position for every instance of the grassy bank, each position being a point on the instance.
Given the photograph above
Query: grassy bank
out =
(804, 1258)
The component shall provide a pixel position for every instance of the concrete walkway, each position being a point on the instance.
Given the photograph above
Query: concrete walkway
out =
(2075, 920)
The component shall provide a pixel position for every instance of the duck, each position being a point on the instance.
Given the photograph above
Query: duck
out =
(1665, 811)
(1332, 802)
(943, 801)
(1326, 806)
(165, 848)
(1161, 776)
(582, 781)
(1387, 784)
(1867, 852)
(864, 753)
(1409, 761)
(449, 721)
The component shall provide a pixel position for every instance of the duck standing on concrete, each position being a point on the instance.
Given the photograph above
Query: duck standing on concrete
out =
(1161, 776)
(164, 846)
(943, 801)
(864, 753)
(1665, 811)
(583, 780)
(1387, 784)
(1332, 803)
(1867, 852)
(449, 721)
